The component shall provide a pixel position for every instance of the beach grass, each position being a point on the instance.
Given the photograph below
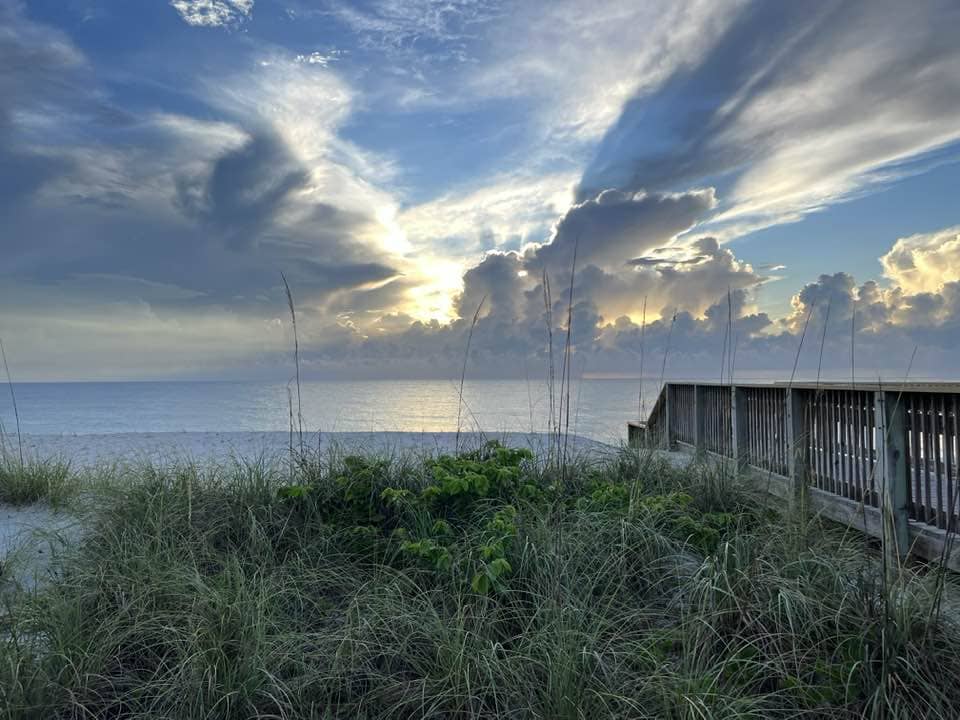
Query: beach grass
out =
(30, 481)
(488, 585)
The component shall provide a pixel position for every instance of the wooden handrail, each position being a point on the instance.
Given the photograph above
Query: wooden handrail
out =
(892, 449)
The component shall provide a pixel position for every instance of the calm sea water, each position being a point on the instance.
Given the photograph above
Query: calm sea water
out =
(599, 408)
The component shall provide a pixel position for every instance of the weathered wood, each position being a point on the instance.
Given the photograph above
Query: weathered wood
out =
(951, 463)
(668, 439)
(738, 416)
(941, 514)
(928, 504)
(891, 421)
(895, 451)
(797, 442)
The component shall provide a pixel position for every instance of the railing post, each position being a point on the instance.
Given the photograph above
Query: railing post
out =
(796, 441)
(698, 417)
(891, 451)
(667, 433)
(738, 422)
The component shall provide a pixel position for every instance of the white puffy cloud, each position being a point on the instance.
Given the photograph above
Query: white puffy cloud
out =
(213, 13)
(925, 262)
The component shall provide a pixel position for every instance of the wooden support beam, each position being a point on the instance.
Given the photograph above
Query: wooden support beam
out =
(796, 402)
(892, 438)
(667, 413)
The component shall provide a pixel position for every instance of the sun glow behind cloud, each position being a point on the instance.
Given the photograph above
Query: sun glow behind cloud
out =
(438, 282)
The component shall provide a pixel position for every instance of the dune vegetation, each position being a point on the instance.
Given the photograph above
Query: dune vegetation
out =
(488, 584)
(22, 483)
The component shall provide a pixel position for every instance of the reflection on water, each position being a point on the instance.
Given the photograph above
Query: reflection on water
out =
(599, 409)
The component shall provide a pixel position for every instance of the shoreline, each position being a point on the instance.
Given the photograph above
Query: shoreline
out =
(91, 450)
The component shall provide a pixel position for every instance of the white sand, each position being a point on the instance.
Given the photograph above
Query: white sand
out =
(29, 538)
(90, 450)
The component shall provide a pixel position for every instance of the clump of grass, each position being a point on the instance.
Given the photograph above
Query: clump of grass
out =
(23, 483)
(377, 588)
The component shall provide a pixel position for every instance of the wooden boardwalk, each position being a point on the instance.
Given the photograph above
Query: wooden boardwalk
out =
(882, 457)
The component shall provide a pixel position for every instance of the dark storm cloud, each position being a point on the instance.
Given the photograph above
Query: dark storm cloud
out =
(612, 226)
(495, 281)
(245, 190)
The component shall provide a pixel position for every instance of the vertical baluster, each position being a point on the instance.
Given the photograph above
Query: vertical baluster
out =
(708, 430)
(784, 444)
(824, 472)
(948, 458)
(953, 448)
(817, 413)
(782, 411)
(847, 439)
(775, 434)
(872, 454)
(928, 515)
(781, 434)
(835, 439)
(757, 456)
(851, 444)
(937, 461)
(728, 433)
(827, 475)
(715, 422)
(857, 446)
(867, 450)
(831, 442)
(842, 428)
(917, 494)
(755, 408)
(856, 431)
(767, 430)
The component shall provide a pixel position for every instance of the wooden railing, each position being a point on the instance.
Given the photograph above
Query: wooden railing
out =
(883, 458)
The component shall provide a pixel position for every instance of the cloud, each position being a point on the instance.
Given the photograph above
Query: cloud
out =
(398, 25)
(245, 190)
(213, 13)
(696, 313)
(215, 208)
(924, 263)
(503, 213)
(613, 226)
(581, 62)
(167, 229)
(793, 108)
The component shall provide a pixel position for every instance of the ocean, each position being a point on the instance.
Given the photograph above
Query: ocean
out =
(599, 408)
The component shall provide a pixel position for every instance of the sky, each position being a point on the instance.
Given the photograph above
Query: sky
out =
(691, 188)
